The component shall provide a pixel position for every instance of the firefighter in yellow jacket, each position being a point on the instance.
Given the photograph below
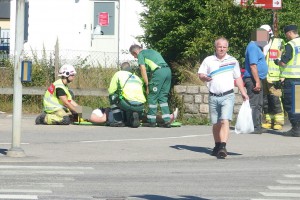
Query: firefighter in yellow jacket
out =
(58, 102)
(273, 110)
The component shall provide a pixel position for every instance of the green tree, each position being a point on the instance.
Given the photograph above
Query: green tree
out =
(184, 30)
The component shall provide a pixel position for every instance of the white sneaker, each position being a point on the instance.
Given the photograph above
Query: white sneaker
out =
(174, 115)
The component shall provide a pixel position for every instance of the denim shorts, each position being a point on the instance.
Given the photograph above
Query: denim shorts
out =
(221, 107)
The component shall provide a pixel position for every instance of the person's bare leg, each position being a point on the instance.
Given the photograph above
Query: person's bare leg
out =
(224, 130)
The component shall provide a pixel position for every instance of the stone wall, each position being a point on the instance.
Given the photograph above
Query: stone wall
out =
(195, 100)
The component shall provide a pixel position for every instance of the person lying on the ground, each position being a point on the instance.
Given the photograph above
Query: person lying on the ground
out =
(101, 116)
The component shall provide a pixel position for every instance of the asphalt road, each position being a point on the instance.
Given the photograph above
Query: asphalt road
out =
(97, 162)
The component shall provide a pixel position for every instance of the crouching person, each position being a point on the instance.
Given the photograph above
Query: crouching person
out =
(58, 104)
(126, 98)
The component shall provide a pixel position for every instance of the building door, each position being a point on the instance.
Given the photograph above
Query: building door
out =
(105, 33)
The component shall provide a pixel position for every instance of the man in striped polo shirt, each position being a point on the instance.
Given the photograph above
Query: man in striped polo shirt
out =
(219, 72)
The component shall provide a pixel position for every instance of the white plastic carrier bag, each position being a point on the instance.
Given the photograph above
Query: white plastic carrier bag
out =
(244, 122)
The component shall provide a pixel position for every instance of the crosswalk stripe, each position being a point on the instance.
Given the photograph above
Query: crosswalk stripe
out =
(9, 173)
(8, 143)
(30, 184)
(34, 178)
(271, 199)
(272, 194)
(23, 197)
(43, 167)
(289, 182)
(292, 175)
(284, 187)
(24, 191)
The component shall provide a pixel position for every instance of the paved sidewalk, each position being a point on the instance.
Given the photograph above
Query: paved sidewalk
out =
(74, 143)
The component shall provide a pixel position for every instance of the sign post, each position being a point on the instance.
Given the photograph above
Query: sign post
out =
(16, 150)
(266, 4)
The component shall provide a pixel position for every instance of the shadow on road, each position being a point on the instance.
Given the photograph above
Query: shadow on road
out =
(206, 150)
(159, 197)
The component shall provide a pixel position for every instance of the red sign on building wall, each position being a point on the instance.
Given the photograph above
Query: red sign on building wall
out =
(103, 19)
(267, 4)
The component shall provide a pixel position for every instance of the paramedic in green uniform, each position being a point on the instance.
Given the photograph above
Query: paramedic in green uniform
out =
(157, 85)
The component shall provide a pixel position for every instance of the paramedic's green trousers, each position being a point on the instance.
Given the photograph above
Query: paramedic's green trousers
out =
(159, 88)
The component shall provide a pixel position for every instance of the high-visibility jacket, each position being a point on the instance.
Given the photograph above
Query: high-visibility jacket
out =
(273, 54)
(292, 68)
(51, 102)
(130, 86)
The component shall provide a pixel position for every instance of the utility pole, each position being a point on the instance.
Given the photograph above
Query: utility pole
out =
(16, 150)
(275, 23)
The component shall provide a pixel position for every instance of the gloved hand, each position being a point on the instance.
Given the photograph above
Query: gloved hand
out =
(277, 61)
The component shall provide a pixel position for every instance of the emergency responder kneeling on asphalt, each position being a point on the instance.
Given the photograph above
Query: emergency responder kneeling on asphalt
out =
(58, 102)
(127, 98)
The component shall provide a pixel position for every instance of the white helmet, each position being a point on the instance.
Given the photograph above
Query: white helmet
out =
(267, 28)
(67, 70)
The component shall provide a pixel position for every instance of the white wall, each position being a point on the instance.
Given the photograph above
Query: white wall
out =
(129, 23)
(70, 22)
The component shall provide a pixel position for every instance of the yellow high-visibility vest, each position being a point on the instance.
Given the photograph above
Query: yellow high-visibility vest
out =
(273, 54)
(51, 102)
(292, 68)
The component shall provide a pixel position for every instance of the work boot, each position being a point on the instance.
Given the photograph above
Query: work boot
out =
(135, 121)
(222, 153)
(294, 132)
(266, 125)
(214, 152)
(277, 127)
(40, 119)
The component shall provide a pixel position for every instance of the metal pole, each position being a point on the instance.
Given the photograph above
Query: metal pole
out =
(16, 150)
(119, 8)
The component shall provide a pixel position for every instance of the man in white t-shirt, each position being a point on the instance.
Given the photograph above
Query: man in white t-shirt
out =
(219, 72)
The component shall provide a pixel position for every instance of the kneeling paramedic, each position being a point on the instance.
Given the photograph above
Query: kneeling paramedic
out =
(127, 98)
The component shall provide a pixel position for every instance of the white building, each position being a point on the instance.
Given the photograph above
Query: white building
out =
(84, 26)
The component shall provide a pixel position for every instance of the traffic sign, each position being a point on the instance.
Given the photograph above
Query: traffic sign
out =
(267, 4)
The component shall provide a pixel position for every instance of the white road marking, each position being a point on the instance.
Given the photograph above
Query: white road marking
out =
(30, 184)
(144, 139)
(8, 172)
(295, 182)
(23, 197)
(271, 199)
(24, 191)
(272, 194)
(8, 143)
(42, 167)
(292, 175)
(284, 187)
